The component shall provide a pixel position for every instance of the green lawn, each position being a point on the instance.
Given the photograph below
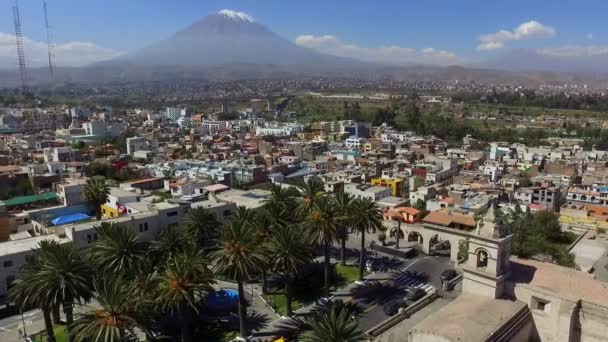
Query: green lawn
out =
(278, 300)
(347, 274)
(61, 334)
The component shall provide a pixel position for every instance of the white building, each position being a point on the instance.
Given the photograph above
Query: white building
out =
(174, 113)
(147, 225)
(141, 144)
(354, 142)
(279, 130)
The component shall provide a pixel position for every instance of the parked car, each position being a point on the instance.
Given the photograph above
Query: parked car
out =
(414, 294)
(448, 275)
(371, 265)
(391, 308)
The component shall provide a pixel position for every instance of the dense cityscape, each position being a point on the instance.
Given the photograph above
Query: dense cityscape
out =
(319, 201)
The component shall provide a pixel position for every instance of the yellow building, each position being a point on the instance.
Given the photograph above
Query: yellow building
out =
(397, 185)
(108, 211)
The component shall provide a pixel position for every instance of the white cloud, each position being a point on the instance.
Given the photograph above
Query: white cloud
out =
(528, 30)
(575, 51)
(385, 54)
(590, 36)
(64, 54)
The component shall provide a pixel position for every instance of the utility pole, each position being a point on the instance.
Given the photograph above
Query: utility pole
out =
(48, 40)
(20, 51)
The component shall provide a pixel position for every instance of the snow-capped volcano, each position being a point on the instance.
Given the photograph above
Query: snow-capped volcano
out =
(236, 15)
(227, 37)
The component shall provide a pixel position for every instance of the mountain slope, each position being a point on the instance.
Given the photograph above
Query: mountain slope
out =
(227, 37)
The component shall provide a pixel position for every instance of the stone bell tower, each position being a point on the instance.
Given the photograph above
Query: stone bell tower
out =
(488, 265)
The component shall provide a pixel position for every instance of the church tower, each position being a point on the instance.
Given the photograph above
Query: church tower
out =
(488, 265)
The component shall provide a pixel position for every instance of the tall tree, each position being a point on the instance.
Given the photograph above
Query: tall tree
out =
(113, 319)
(65, 277)
(26, 295)
(96, 191)
(344, 202)
(336, 325)
(118, 249)
(200, 225)
(239, 257)
(367, 219)
(170, 241)
(322, 225)
(290, 251)
(183, 284)
(309, 193)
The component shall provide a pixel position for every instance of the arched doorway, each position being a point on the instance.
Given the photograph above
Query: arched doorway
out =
(393, 233)
(415, 237)
(439, 246)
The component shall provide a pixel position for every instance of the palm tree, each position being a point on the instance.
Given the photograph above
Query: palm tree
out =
(264, 223)
(322, 226)
(96, 192)
(344, 202)
(282, 196)
(183, 284)
(65, 277)
(336, 325)
(25, 295)
(200, 225)
(290, 251)
(115, 320)
(310, 192)
(118, 248)
(243, 214)
(58, 276)
(170, 241)
(239, 257)
(366, 219)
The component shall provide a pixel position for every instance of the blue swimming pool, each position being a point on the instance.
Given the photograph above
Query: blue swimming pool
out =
(222, 300)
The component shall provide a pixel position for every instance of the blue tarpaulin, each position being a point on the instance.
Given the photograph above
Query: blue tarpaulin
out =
(69, 219)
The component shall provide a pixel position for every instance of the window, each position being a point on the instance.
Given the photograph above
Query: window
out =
(143, 227)
(482, 259)
(8, 263)
(172, 213)
(540, 304)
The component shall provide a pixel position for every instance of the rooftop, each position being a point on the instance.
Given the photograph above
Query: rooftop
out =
(455, 322)
(568, 283)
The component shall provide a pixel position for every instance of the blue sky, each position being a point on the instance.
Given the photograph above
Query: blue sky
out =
(452, 27)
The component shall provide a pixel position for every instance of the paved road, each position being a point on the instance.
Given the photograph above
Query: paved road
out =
(34, 323)
(10, 326)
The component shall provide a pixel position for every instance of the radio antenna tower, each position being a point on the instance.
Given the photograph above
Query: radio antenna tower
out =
(20, 52)
(48, 40)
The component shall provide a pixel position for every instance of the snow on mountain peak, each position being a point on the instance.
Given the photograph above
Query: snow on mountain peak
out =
(236, 15)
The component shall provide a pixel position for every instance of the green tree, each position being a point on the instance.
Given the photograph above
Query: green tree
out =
(118, 249)
(290, 251)
(200, 225)
(182, 286)
(239, 258)
(96, 192)
(366, 219)
(345, 204)
(170, 241)
(26, 292)
(310, 192)
(115, 320)
(336, 325)
(322, 224)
